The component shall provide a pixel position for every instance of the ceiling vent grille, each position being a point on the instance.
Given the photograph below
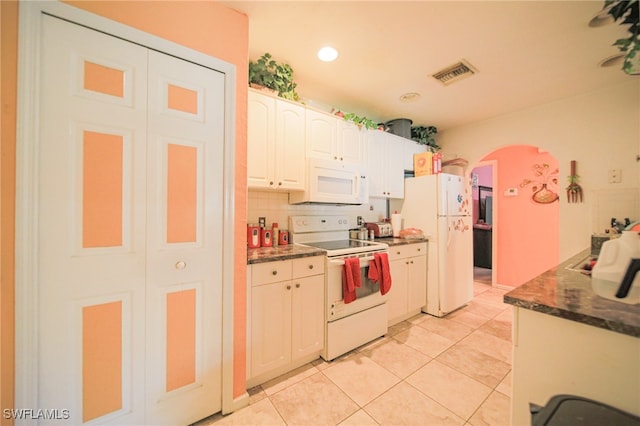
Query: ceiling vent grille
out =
(454, 73)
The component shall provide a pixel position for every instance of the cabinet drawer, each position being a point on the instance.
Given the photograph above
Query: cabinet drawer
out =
(270, 272)
(407, 250)
(307, 266)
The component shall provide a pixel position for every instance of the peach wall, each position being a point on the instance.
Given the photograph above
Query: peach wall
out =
(598, 129)
(528, 233)
(205, 26)
(8, 91)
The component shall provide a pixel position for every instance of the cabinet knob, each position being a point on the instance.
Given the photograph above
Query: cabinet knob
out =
(397, 252)
(181, 264)
(341, 158)
(274, 272)
(310, 266)
(279, 183)
(419, 249)
(288, 286)
(412, 262)
(335, 157)
(297, 285)
(271, 182)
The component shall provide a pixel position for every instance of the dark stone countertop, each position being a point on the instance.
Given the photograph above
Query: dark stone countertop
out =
(567, 294)
(293, 251)
(289, 251)
(393, 241)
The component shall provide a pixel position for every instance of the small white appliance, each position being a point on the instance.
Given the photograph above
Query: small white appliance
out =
(440, 205)
(332, 182)
(347, 325)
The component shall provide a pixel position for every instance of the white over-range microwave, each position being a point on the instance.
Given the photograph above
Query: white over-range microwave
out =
(333, 182)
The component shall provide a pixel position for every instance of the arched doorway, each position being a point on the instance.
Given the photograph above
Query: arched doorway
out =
(525, 214)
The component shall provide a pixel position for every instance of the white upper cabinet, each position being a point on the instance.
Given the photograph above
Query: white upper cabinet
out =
(275, 144)
(322, 135)
(350, 147)
(411, 148)
(386, 164)
(332, 138)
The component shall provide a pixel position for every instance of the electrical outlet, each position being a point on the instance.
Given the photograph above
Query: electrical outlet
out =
(615, 176)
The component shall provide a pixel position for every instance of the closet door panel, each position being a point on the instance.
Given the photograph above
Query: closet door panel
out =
(184, 264)
(91, 220)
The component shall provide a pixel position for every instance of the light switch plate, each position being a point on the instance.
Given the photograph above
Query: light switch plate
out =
(615, 176)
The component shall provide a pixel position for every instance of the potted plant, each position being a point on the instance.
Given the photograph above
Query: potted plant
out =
(425, 135)
(628, 12)
(266, 72)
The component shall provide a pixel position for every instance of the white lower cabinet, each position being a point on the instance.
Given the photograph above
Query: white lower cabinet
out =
(408, 294)
(286, 324)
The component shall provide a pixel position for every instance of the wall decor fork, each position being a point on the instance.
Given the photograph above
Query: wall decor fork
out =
(574, 191)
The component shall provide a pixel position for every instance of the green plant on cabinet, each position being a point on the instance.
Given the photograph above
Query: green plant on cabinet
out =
(425, 135)
(270, 74)
(628, 11)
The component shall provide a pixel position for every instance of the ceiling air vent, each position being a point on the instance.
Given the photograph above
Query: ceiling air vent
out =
(454, 73)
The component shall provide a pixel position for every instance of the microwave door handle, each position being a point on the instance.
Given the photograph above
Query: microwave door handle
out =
(355, 185)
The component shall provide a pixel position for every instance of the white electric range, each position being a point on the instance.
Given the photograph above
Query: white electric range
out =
(348, 325)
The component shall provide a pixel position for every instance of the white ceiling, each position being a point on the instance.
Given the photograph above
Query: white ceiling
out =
(526, 53)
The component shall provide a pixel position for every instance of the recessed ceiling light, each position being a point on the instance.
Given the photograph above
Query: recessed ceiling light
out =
(410, 97)
(327, 54)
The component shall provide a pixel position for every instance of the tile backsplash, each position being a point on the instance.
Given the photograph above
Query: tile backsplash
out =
(276, 208)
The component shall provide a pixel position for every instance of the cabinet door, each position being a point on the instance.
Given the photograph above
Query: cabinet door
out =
(411, 148)
(290, 150)
(321, 132)
(376, 154)
(397, 302)
(417, 282)
(350, 144)
(307, 318)
(270, 326)
(260, 140)
(394, 165)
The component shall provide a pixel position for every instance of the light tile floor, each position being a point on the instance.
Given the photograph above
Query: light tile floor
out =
(426, 371)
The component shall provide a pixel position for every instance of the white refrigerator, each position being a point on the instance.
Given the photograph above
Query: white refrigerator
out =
(440, 205)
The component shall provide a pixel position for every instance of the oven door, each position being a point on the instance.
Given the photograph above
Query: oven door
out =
(367, 296)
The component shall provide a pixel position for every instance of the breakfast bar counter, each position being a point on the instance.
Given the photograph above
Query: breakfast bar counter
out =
(569, 340)
(566, 293)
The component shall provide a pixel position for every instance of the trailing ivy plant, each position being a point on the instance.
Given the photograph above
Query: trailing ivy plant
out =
(628, 12)
(425, 135)
(279, 77)
(360, 121)
(355, 119)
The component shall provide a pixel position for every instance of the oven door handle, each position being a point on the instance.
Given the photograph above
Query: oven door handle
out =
(341, 262)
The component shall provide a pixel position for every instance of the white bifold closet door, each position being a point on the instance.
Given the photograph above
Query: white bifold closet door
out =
(129, 256)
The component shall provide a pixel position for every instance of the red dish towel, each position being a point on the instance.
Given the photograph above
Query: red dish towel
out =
(379, 272)
(350, 279)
